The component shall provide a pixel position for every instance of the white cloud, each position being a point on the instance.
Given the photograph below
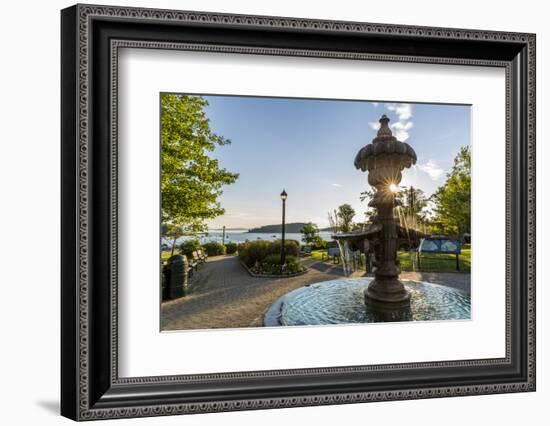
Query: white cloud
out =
(401, 130)
(374, 125)
(432, 169)
(337, 185)
(375, 104)
(403, 111)
(401, 135)
(401, 125)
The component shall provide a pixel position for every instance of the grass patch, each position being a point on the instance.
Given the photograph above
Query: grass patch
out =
(317, 254)
(436, 262)
(439, 262)
(165, 255)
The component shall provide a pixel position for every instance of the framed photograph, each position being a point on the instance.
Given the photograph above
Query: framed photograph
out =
(263, 212)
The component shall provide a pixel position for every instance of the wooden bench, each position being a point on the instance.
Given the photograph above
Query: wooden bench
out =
(202, 255)
(193, 263)
(188, 267)
(332, 253)
(198, 258)
(305, 250)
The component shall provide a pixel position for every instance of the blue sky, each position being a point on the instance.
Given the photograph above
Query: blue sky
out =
(308, 147)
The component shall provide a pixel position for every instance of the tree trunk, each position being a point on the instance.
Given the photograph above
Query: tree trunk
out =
(173, 246)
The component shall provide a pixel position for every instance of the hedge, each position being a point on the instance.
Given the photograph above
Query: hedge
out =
(214, 248)
(231, 247)
(252, 252)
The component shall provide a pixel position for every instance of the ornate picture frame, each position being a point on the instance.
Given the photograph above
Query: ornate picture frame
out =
(91, 386)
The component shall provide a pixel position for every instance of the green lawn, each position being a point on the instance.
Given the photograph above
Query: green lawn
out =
(317, 254)
(428, 262)
(439, 262)
(165, 255)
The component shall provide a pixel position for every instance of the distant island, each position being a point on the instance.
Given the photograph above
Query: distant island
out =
(227, 229)
(294, 227)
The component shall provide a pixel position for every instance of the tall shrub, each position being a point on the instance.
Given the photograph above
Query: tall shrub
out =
(189, 246)
(231, 247)
(213, 248)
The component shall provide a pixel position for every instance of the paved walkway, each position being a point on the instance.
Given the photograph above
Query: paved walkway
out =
(224, 295)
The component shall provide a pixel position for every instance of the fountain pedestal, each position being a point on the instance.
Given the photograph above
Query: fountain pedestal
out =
(386, 292)
(384, 159)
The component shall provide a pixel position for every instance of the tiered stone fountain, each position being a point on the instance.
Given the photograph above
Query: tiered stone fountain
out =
(384, 159)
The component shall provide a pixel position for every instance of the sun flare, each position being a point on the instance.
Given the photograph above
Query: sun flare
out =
(394, 187)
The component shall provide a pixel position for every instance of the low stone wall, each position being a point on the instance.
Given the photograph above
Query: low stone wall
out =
(272, 317)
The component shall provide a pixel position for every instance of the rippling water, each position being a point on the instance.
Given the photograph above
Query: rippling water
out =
(343, 302)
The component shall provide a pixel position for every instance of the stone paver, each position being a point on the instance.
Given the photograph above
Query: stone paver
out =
(224, 295)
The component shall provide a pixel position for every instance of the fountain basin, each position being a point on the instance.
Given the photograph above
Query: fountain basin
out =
(342, 301)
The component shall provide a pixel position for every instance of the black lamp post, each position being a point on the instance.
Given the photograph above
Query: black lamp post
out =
(283, 254)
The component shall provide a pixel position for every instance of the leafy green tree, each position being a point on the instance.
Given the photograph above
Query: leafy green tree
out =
(452, 200)
(370, 212)
(413, 201)
(191, 180)
(413, 205)
(345, 215)
(311, 235)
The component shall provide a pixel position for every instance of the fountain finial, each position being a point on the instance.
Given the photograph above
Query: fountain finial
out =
(384, 132)
(383, 145)
(384, 129)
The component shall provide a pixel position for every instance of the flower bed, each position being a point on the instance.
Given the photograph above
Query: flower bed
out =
(266, 273)
(263, 258)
